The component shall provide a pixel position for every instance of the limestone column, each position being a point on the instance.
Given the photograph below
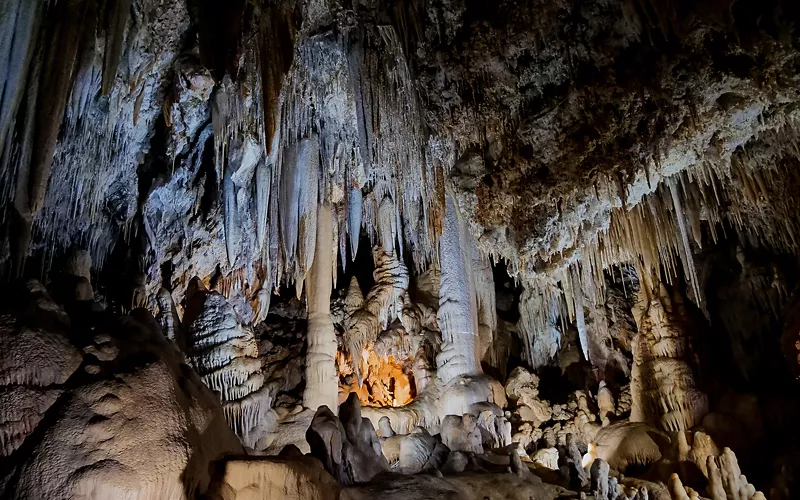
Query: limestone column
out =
(457, 305)
(663, 387)
(322, 386)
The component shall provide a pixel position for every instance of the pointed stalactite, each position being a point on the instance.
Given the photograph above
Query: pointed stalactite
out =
(23, 220)
(580, 320)
(485, 301)
(67, 22)
(539, 313)
(685, 247)
(230, 217)
(289, 200)
(116, 18)
(407, 20)
(277, 53)
(354, 210)
(20, 21)
(219, 30)
(355, 58)
(307, 171)
(387, 229)
(263, 184)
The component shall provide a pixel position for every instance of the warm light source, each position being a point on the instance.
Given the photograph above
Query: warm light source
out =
(387, 381)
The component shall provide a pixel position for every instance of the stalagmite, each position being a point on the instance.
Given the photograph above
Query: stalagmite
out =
(225, 354)
(411, 130)
(726, 481)
(168, 317)
(662, 382)
(342, 448)
(321, 379)
(457, 308)
(628, 444)
(78, 268)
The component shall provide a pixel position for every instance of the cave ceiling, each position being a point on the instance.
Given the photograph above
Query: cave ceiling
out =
(542, 119)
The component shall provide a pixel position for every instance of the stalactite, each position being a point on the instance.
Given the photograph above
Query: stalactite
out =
(219, 31)
(656, 236)
(20, 22)
(263, 187)
(485, 303)
(231, 219)
(289, 200)
(117, 14)
(686, 248)
(66, 24)
(354, 210)
(580, 319)
(307, 172)
(356, 77)
(276, 45)
(539, 312)
(320, 376)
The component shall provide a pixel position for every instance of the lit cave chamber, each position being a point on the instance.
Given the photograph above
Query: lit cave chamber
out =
(399, 249)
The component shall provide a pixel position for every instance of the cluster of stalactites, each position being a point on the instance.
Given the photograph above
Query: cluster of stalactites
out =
(347, 132)
(657, 237)
(56, 60)
(540, 308)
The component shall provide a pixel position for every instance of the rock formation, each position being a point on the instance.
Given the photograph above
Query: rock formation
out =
(370, 317)
(225, 354)
(457, 301)
(347, 447)
(321, 386)
(133, 422)
(527, 239)
(663, 385)
(37, 360)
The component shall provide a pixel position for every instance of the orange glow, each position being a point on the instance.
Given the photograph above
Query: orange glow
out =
(387, 381)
